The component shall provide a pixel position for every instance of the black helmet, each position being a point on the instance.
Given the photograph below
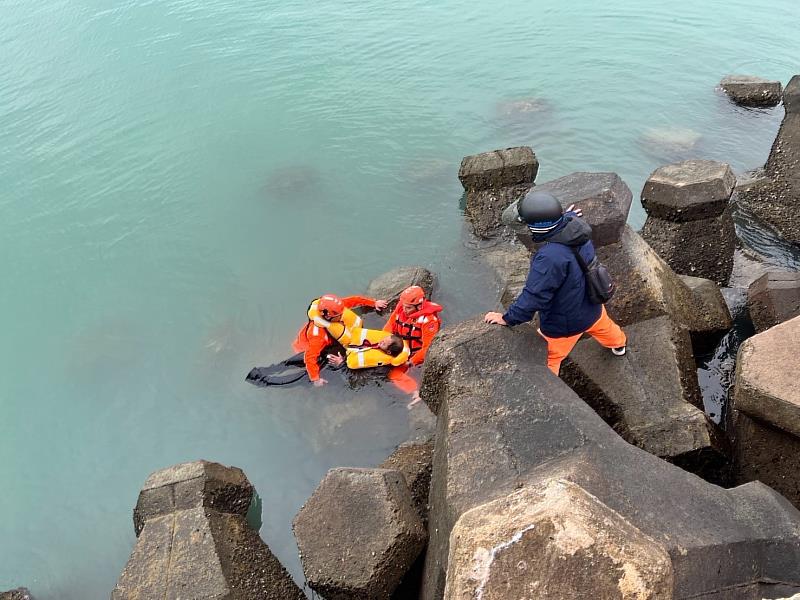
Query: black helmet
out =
(541, 211)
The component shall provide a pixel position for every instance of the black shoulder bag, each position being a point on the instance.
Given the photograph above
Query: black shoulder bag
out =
(599, 283)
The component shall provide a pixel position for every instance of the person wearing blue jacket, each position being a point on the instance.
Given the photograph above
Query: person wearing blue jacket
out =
(556, 284)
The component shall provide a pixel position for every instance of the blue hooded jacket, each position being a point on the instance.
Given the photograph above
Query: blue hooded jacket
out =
(556, 285)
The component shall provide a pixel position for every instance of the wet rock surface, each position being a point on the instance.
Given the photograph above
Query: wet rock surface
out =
(774, 298)
(506, 423)
(389, 285)
(710, 301)
(766, 410)
(775, 200)
(492, 181)
(359, 534)
(17, 594)
(553, 540)
(414, 460)
(190, 485)
(750, 91)
(651, 396)
(198, 544)
(604, 198)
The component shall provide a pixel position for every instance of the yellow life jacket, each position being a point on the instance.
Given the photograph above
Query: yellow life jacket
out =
(364, 357)
(341, 330)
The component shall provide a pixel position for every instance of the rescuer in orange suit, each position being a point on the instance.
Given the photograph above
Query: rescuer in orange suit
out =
(330, 321)
(416, 320)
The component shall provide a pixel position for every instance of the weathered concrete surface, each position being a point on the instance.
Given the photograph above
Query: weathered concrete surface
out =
(202, 553)
(389, 285)
(651, 397)
(505, 423)
(358, 534)
(17, 594)
(498, 168)
(774, 298)
(190, 485)
(647, 288)
(689, 190)
(510, 263)
(553, 540)
(604, 198)
(776, 200)
(766, 401)
(492, 181)
(415, 461)
(711, 302)
(747, 90)
(194, 541)
(701, 248)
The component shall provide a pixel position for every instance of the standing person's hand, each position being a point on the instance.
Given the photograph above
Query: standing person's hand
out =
(380, 305)
(495, 318)
(335, 359)
(320, 382)
(578, 212)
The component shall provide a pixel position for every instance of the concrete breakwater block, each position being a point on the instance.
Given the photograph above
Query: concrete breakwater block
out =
(505, 424)
(710, 301)
(766, 403)
(492, 181)
(194, 541)
(190, 485)
(414, 460)
(775, 199)
(689, 222)
(689, 190)
(359, 534)
(651, 396)
(604, 198)
(751, 91)
(17, 594)
(389, 285)
(553, 540)
(774, 298)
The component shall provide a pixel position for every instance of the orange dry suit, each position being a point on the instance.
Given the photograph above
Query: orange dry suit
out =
(363, 351)
(318, 334)
(418, 329)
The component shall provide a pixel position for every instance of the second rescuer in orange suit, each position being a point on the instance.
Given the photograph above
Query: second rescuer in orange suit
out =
(416, 320)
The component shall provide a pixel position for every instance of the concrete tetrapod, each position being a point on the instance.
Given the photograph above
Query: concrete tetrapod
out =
(505, 423)
(774, 298)
(750, 91)
(389, 285)
(775, 199)
(196, 543)
(689, 222)
(492, 181)
(651, 397)
(17, 594)
(766, 415)
(359, 534)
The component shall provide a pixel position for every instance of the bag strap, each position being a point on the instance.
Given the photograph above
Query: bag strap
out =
(577, 252)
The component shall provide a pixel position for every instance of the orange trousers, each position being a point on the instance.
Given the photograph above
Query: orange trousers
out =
(401, 379)
(604, 330)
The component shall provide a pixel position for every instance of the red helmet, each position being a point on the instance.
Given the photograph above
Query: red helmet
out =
(412, 295)
(330, 306)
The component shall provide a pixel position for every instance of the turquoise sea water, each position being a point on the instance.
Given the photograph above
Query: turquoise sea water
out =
(180, 178)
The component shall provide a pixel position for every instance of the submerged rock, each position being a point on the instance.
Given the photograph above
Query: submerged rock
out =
(506, 424)
(194, 540)
(774, 298)
(359, 534)
(389, 285)
(766, 403)
(292, 182)
(775, 200)
(492, 181)
(747, 90)
(651, 397)
(670, 143)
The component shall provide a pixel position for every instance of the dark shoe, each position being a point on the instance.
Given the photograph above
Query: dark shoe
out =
(619, 351)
